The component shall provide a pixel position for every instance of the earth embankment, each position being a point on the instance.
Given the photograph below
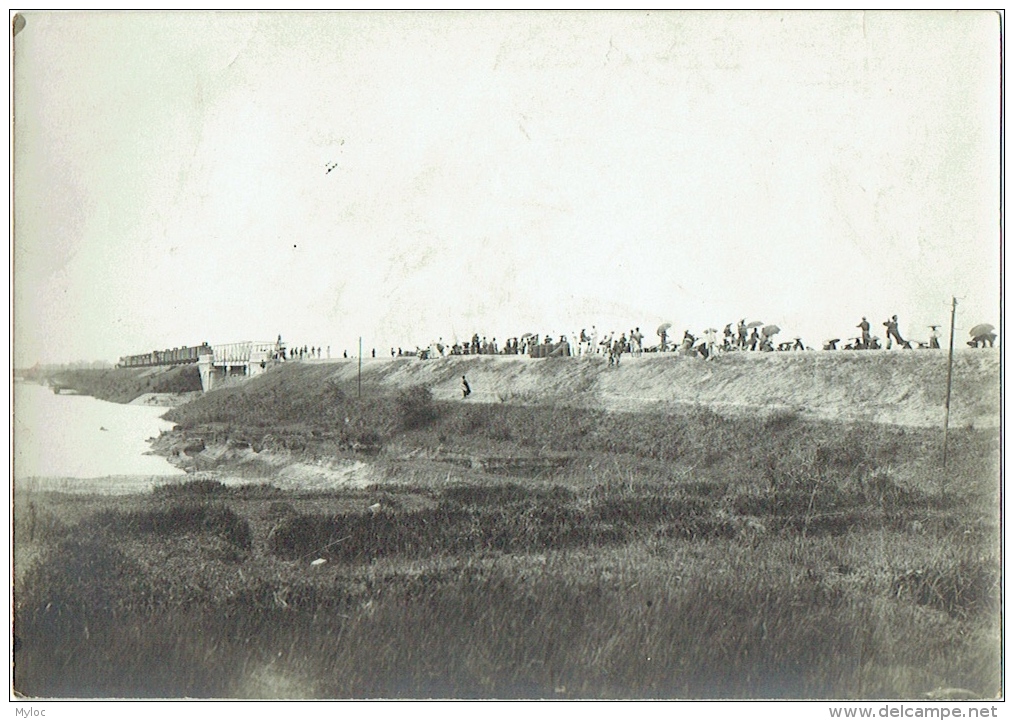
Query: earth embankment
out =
(124, 385)
(896, 387)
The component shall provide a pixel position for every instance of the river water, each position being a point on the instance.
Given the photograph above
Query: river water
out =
(75, 443)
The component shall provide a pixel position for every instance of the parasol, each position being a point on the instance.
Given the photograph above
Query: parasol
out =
(770, 330)
(711, 330)
(663, 328)
(526, 336)
(981, 329)
(755, 324)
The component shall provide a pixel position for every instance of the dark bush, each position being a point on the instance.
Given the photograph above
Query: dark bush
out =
(77, 575)
(177, 519)
(196, 487)
(415, 407)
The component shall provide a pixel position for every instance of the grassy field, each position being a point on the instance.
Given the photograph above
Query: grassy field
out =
(521, 551)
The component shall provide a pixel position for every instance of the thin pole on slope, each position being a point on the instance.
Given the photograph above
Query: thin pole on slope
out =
(359, 378)
(947, 403)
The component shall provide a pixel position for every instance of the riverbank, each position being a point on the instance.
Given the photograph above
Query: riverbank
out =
(165, 400)
(895, 387)
(124, 385)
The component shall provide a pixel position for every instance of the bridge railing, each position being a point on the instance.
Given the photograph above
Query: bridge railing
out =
(242, 352)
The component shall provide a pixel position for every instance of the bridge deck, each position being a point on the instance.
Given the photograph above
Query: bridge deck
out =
(240, 353)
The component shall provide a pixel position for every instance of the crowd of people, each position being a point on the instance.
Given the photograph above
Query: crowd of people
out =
(742, 336)
(612, 347)
(867, 341)
(710, 343)
(284, 352)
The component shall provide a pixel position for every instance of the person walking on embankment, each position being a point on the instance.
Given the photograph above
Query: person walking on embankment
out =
(892, 332)
(466, 390)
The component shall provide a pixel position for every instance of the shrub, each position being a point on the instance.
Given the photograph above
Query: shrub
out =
(196, 487)
(178, 519)
(76, 574)
(415, 407)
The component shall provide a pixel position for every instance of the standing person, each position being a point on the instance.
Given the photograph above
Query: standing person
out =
(864, 326)
(934, 337)
(892, 331)
(638, 341)
(741, 331)
(466, 390)
(754, 339)
(687, 345)
(709, 343)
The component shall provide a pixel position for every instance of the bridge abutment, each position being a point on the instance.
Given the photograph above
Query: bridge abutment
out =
(209, 373)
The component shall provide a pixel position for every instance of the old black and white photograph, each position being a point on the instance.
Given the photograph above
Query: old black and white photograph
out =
(507, 355)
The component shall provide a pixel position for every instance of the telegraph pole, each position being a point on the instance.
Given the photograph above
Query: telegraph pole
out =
(359, 380)
(947, 403)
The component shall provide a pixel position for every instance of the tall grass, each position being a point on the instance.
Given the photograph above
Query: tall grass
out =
(509, 589)
(745, 623)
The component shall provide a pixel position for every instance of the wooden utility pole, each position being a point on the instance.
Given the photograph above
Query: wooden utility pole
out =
(947, 403)
(359, 380)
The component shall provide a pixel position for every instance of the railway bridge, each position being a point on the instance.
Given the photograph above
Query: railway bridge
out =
(247, 358)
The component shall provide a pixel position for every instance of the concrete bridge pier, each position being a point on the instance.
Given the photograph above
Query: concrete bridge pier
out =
(209, 373)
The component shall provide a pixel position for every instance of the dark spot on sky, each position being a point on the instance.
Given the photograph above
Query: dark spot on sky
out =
(19, 23)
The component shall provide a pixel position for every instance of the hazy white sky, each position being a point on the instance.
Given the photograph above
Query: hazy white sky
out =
(498, 173)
